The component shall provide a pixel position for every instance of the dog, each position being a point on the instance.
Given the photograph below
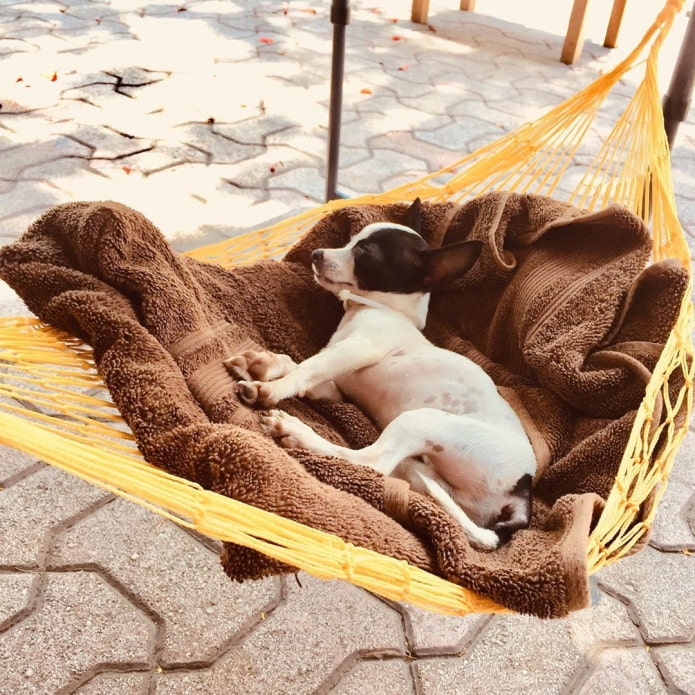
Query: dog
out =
(444, 427)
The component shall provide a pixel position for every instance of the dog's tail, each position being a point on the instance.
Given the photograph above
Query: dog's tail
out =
(516, 514)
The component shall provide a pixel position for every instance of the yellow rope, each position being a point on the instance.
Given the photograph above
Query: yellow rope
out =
(49, 408)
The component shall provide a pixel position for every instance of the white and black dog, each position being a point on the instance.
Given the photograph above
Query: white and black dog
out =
(445, 428)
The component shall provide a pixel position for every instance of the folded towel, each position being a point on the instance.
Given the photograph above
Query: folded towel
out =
(559, 310)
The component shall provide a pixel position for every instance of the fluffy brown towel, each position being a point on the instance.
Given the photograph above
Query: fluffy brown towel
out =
(557, 310)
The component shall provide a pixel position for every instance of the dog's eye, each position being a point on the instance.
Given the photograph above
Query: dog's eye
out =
(368, 251)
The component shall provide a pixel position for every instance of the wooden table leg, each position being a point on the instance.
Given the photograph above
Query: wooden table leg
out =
(575, 33)
(468, 5)
(611, 39)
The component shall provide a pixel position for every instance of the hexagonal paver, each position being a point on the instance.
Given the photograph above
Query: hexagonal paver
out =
(656, 586)
(300, 644)
(677, 664)
(223, 150)
(13, 462)
(32, 508)
(606, 622)
(670, 530)
(116, 683)
(15, 593)
(80, 622)
(456, 135)
(435, 633)
(18, 159)
(179, 580)
(528, 654)
(625, 671)
(105, 142)
(684, 464)
(368, 176)
(379, 677)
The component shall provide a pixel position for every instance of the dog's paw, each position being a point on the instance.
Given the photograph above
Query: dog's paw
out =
(257, 393)
(248, 391)
(485, 539)
(238, 367)
(284, 428)
(259, 365)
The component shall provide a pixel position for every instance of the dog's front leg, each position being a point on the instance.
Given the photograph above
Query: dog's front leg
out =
(340, 358)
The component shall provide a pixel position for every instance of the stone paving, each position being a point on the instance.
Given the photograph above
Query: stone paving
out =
(210, 118)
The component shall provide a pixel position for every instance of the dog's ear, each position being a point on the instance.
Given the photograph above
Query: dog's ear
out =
(413, 216)
(450, 262)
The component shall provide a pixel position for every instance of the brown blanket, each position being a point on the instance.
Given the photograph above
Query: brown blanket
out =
(558, 310)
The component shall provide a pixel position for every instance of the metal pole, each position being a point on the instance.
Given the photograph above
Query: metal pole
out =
(677, 99)
(340, 17)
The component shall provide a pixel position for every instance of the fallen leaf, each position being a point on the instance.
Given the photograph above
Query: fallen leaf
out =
(402, 67)
(308, 10)
(266, 40)
(394, 20)
(376, 10)
(126, 169)
(365, 91)
(396, 38)
(19, 79)
(54, 77)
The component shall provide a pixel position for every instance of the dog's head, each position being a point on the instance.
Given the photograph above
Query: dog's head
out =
(390, 257)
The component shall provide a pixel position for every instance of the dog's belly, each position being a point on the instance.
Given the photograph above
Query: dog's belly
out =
(426, 377)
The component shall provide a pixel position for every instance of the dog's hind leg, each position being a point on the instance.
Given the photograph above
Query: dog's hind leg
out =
(403, 438)
(396, 443)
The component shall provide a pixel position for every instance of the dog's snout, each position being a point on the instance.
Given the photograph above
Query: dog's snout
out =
(317, 256)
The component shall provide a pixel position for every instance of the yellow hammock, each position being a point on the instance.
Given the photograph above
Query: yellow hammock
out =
(51, 405)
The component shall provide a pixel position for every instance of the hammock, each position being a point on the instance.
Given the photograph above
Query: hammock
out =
(53, 405)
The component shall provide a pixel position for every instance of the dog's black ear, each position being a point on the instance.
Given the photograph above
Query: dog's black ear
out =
(450, 262)
(413, 216)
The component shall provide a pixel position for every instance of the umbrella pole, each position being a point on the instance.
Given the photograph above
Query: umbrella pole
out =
(340, 17)
(677, 98)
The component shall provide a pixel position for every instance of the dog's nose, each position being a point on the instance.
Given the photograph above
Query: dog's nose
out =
(317, 256)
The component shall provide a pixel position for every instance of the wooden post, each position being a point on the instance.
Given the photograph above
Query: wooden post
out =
(611, 39)
(575, 33)
(419, 11)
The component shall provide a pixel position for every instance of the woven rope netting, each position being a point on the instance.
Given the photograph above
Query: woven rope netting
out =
(54, 406)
